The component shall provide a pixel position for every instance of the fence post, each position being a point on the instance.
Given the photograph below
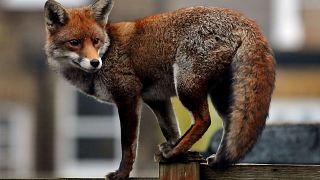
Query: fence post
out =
(186, 167)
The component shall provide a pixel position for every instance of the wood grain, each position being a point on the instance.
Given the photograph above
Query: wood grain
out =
(262, 171)
(197, 171)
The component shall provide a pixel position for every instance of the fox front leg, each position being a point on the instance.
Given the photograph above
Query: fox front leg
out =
(129, 113)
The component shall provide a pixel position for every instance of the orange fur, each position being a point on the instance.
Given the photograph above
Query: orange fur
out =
(190, 53)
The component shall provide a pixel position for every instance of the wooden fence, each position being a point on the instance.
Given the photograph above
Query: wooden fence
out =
(195, 170)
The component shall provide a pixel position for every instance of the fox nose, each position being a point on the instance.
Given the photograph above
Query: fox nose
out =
(95, 63)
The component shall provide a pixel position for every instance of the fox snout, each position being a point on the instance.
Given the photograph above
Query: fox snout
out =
(86, 64)
(85, 53)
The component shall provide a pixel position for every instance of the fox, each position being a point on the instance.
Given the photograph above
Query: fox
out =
(191, 53)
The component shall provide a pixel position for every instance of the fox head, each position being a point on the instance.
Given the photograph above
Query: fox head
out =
(77, 37)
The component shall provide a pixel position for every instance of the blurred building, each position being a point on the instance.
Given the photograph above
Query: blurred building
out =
(49, 129)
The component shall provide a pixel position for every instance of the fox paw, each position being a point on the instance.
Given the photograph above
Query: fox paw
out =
(116, 176)
(217, 163)
(167, 150)
(211, 160)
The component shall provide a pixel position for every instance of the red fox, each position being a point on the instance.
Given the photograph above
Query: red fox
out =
(191, 53)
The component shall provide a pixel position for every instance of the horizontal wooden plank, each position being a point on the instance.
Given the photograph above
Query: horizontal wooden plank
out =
(241, 171)
(133, 178)
(262, 171)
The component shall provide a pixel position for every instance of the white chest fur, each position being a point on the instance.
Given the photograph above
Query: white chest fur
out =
(102, 93)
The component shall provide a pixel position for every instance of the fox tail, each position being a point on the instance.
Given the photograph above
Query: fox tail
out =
(251, 84)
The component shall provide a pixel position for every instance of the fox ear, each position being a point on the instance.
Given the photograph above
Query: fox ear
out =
(101, 10)
(55, 14)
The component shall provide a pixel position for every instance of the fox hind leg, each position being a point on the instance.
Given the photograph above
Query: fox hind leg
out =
(166, 119)
(192, 93)
(221, 97)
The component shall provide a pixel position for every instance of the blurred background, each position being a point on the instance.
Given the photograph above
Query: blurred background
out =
(48, 129)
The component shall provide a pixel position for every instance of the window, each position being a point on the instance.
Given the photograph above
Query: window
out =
(88, 134)
(4, 145)
(16, 141)
(86, 106)
(95, 148)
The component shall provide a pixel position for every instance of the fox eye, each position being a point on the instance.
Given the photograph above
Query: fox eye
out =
(96, 41)
(75, 42)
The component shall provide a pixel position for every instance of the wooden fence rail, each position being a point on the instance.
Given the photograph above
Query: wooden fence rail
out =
(191, 167)
(197, 171)
(262, 171)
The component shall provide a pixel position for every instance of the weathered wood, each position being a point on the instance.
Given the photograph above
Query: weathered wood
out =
(143, 178)
(262, 171)
(176, 171)
(190, 156)
(196, 171)
(185, 167)
(133, 178)
(282, 144)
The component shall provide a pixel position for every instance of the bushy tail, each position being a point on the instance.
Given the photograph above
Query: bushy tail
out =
(253, 77)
